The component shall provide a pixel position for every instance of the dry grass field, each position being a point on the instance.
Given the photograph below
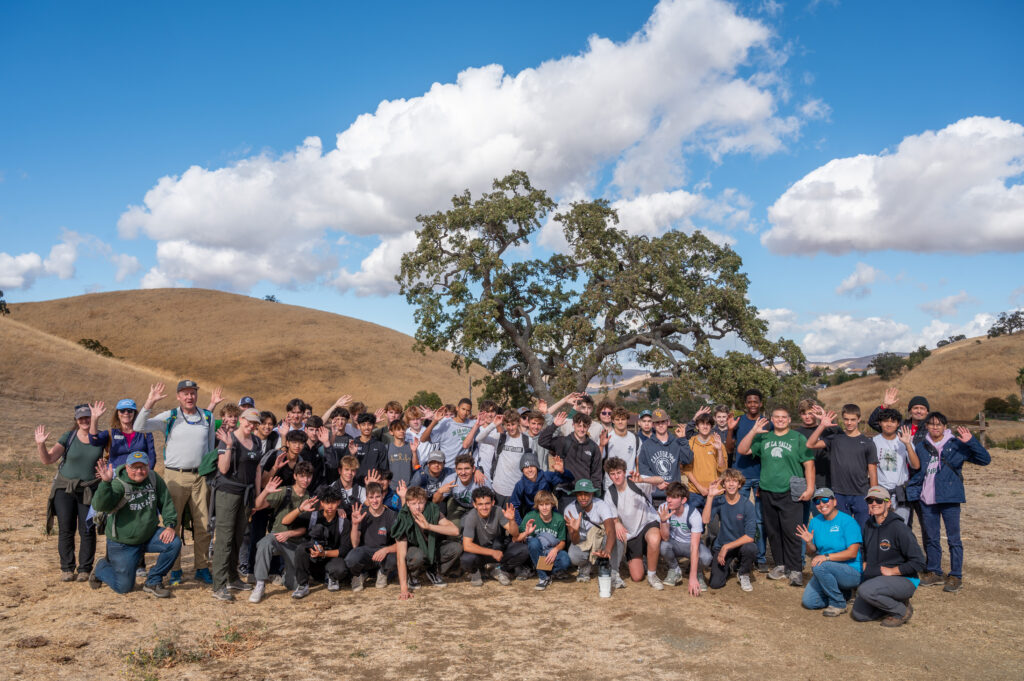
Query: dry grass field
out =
(68, 631)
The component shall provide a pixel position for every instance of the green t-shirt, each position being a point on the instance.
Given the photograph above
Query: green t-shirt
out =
(277, 502)
(782, 457)
(555, 527)
(80, 459)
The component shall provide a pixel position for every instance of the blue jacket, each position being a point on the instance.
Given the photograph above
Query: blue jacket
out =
(119, 447)
(525, 490)
(949, 481)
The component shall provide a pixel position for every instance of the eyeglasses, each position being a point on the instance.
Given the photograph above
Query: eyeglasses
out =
(822, 500)
(606, 412)
(873, 500)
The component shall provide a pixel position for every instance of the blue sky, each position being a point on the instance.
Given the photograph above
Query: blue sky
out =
(865, 159)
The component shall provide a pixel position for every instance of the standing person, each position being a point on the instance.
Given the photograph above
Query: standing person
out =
(917, 410)
(372, 454)
(784, 455)
(189, 433)
(134, 499)
(512, 446)
(580, 455)
(892, 560)
(269, 437)
(455, 495)
(721, 414)
(448, 432)
(750, 466)
(484, 435)
(72, 490)
(709, 460)
(897, 457)
(644, 425)
(236, 486)
(939, 484)
(735, 539)
(123, 439)
(620, 442)
(853, 461)
(663, 455)
(836, 539)
(401, 454)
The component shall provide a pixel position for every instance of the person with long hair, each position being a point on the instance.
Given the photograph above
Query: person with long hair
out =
(122, 438)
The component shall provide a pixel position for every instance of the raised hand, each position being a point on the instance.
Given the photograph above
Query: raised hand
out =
(224, 435)
(804, 533)
(401, 489)
(281, 460)
(760, 425)
(499, 419)
(509, 512)
(309, 505)
(415, 446)
(353, 447)
(216, 397)
(427, 412)
(343, 401)
(573, 522)
(273, 485)
(635, 476)
(98, 409)
(542, 406)
(605, 436)
(560, 419)
(716, 441)
(664, 513)
(905, 436)
(818, 411)
(703, 410)
(357, 513)
(531, 525)
(732, 422)
(828, 419)
(324, 436)
(556, 464)
(680, 430)
(963, 434)
(439, 413)
(41, 435)
(715, 489)
(379, 415)
(890, 397)
(373, 475)
(104, 471)
(156, 393)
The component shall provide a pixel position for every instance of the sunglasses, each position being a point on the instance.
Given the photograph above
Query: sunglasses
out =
(822, 500)
(873, 500)
(606, 413)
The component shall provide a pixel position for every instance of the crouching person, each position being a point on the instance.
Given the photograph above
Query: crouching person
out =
(328, 542)
(135, 500)
(892, 559)
(487, 538)
(836, 539)
(735, 540)
(425, 541)
(681, 528)
(285, 534)
(543, 529)
(590, 523)
(372, 543)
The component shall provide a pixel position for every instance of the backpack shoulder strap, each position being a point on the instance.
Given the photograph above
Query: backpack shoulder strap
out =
(526, 444)
(613, 492)
(312, 520)
(497, 452)
(633, 486)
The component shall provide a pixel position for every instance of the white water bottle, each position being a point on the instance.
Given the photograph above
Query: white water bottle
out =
(604, 579)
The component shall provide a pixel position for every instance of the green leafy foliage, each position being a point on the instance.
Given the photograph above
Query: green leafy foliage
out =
(4, 310)
(1008, 323)
(917, 356)
(887, 365)
(426, 398)
(95, 346)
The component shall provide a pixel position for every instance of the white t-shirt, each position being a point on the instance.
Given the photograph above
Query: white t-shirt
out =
(600, 510)
(682, 524)
(423, 451)
(486, 441)
(624, 447)
(448, 435)
(893, 469)
(508, 472)
(635, 510)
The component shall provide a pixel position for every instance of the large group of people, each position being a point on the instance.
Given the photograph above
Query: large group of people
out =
(545, 492)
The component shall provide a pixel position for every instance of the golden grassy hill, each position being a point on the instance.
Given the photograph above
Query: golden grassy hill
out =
(271, 351)
(956, 379)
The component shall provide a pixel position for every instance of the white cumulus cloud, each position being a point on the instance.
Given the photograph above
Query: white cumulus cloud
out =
(950, 190)
(946, 307)
(21, 271)
(697, 78)
(858, 284)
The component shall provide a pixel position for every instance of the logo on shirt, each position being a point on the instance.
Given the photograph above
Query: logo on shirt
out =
(884, 545)
(834, 528)
(382, 532)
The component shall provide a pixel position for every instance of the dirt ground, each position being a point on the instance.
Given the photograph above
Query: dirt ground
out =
(67, 631)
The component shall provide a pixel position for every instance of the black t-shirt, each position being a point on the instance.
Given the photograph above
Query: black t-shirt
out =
(400, 460)
(332, 535)
(375, 532)
(333, 456)
(285, 472)
(244, 462)
(822, 473)
(849, 458)
(371, 455)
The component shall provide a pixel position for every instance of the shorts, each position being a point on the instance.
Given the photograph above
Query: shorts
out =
(637, 546)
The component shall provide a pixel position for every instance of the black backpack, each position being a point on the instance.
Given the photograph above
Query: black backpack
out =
(501, 445)
(614, 493)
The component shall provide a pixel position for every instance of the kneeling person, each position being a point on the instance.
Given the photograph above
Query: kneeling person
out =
(285, 534)
(487, 538)
(836, 538)
(422, 538)
(328, 541)
(681, 527)
(735, 538)
(590, 523)
(636, 522)
(544, 532)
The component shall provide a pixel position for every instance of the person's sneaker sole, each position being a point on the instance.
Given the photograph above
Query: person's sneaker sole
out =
(833, 612)
(224, 595)
(158, 590)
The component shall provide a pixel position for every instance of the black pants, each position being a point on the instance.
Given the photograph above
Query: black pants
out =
(257, 529)
(71, 513)
(781, 516)
(514, 554)
(319, 568)
(916, 510)
(720, 573)
(448, 552)
(360, 560)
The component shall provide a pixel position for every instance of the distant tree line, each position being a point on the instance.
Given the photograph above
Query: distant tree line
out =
(1007, 324)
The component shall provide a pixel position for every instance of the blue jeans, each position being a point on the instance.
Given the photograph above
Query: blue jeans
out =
(949, 514)
(536, 550)
(825, 587)
(117, 570)
(759, 519)
(854, 505)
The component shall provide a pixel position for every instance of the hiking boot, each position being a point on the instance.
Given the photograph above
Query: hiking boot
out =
(203, 575)
(156, 589)
(953, 584)
(673, 576)
(523, 573)
(475, 578)
(175, 578)
(655, 583)
(501, 576)
(931, 579)
(542, 583)
(67, 576)
(82, 577)
(239, 585)
(700, 580)
(223, 594)
(762, 567)
(584, 574)
(796, 578)
(333, 584)
(94, 582)
(617, 582)
(249, 578)
(777, 572)
(278, 580)
(894, 621)
(301, 591)
(382, 579)
(833, 611)
(434, 579)
(745, 583)
(257, 592)
(357, 582)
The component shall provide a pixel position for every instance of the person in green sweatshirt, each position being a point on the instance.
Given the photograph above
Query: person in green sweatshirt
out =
(134, 499)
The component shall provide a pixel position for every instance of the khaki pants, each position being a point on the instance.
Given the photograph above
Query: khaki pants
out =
(190, 489)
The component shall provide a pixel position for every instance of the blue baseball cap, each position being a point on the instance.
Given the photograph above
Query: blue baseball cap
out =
(645, 412)
(127, 404)
(137, 457)
(246, 402)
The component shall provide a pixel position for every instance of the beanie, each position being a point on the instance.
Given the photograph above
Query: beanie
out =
(916, 400)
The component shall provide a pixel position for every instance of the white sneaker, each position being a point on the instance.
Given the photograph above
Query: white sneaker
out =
(382, 579)
(257, 592)
(357, 582)
(333, 585)
(301, 591)
(655, 582)
(745, 583)
(673, 577)
(617, 582)
(278, 580)
(500, 575)
(777, 572)
(700, 580)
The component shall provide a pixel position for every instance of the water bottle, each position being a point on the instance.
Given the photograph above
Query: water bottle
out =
(604, 578)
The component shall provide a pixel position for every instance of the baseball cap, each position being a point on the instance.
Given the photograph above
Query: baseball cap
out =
(250, 414)
(659, 415)
(246, 402)
(127, 404)
(645, 412)
(823, 492)
(436, 455)
(523, 410)
(82, 410)
(186, 384)
(878, 492)
(137, 457)
(584, 485)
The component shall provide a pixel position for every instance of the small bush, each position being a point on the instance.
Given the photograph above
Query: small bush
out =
(95, 346)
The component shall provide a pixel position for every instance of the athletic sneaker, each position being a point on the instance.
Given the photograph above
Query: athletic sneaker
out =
(382, 579)
(357, 581)
(523, 573)
(239, 585)
(175, 578)
(141, 573)
(301, 591)
(413, 582)
(745, 583)
(434, 579)
(796, 578)
(278, 580)
(673, 576)
(475, 578)
(700, 580)
(762, 567)
(953, 584)
(931, 579)
(203, 575)
(257, 592)
(832, 611)
(94, 581)
(333, 584)
(500, 575)
(82, 577)
(655, 582)
(223, 594)
(542, 583)
(617, 582)
(156, 589)
(584, 574)
(777, 572)
(67, 576)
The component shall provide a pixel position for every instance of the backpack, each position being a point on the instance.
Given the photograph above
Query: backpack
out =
(207, 417)
(614, 493)
(500, 446)
(100, 518)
